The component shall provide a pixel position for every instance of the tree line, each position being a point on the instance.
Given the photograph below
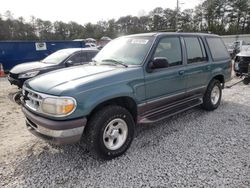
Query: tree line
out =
(215, 16)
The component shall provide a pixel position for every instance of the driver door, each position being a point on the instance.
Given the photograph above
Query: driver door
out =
(166, 83)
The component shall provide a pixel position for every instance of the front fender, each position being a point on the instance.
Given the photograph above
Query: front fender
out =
(88, 100)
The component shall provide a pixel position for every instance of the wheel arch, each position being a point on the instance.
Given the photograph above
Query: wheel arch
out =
(124, 101)
(220, 78)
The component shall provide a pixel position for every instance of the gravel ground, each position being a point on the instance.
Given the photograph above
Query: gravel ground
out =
(193, 149)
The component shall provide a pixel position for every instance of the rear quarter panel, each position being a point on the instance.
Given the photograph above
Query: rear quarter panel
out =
(221, 66)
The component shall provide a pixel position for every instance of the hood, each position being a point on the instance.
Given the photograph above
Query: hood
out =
(245, 51)
(69, 77)
(25, 67)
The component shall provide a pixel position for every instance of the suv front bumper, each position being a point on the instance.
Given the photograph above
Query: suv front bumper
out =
(57, 132)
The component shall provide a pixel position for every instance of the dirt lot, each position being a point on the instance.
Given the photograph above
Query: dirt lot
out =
(193, 149)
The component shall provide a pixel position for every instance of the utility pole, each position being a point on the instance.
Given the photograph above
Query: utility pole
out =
(177, 14)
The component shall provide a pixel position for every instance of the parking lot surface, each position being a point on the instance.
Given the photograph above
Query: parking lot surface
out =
(193, 149)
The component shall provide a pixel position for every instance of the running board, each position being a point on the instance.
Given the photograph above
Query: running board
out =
(170, 110)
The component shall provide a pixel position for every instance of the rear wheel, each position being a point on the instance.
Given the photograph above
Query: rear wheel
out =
(246, 80)
(110, 132)
(212, 97)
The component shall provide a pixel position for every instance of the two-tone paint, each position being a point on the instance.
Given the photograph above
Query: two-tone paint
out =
(147, 92)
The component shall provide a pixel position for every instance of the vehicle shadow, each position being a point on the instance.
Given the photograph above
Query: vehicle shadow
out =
(61, 164)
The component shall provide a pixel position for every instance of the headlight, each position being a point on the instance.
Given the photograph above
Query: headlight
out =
(58, 106)
(28, 74)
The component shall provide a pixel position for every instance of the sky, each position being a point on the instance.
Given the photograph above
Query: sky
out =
(84, 11)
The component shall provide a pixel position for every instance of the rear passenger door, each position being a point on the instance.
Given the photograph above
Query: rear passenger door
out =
(220, 57)
(198, 67)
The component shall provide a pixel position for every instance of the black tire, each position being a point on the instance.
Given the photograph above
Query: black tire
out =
(94, 133)
(207, 98)
(246, 80)
(237, 74)
(17, 97)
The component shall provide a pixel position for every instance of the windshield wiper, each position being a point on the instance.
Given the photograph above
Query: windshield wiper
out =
(115, 61)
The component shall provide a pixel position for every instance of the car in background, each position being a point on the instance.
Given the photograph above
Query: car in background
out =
(242, 64)
(238, 45)
(60, 59)
(230, 49)
(90, 45)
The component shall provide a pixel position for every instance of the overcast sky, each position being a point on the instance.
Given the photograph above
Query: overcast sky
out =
(83, 11)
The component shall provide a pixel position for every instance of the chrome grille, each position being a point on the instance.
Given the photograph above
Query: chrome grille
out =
(32, 99)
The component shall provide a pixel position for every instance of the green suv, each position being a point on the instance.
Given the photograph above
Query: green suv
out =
(134, 79)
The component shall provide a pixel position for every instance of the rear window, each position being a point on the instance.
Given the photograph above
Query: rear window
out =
(217, 49)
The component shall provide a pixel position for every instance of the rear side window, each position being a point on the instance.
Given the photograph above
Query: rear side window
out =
(76, 58)
(91, 55)
(195, 50)
(84, 56)
(217, 49)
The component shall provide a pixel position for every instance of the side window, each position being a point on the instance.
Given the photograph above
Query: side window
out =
(91, 55)
(84, 57)
(76, 58)
(217, 48)
(170, 48)
(195, 50)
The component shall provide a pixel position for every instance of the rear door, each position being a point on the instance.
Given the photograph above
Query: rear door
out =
(221, 61)
(198, 68)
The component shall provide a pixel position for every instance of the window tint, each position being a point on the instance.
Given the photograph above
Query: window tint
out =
(84, 57)
(91, 55)
(217, 48)
(76, 58)
(194, 50)
(170, 48)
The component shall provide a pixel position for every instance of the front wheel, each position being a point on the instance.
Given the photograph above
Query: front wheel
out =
(110, 132)
(212, 97)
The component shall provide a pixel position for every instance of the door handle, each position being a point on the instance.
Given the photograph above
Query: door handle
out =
(181, 72)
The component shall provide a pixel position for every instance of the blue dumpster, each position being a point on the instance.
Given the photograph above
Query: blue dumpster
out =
(16, 52)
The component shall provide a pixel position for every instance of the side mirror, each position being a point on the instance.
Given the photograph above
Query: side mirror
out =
(69, 63)
(159, 63)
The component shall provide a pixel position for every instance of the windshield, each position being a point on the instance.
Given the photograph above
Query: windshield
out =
(126, 50)
(57, 57)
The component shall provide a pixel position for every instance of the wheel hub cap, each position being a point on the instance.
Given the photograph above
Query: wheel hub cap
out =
(215, 95)
(115, 134)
